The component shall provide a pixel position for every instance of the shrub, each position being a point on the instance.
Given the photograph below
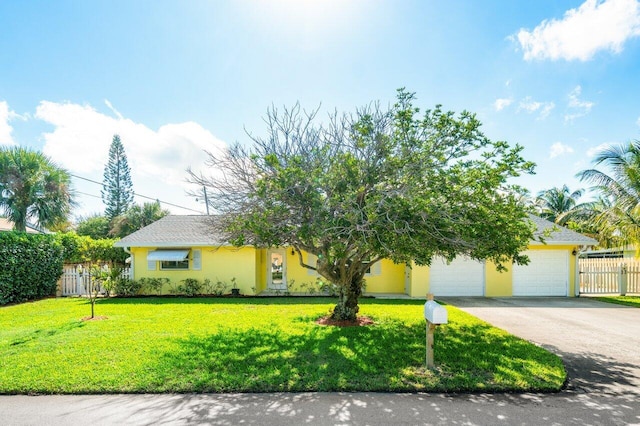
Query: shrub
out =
(190, 287)
(126, 288)
(80, 249)
(30, 266)
(153, 284)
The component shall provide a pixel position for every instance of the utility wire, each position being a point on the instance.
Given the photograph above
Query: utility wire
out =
(135, 193)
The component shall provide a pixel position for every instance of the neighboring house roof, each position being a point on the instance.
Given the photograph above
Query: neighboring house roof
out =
(174, 231)
(7, 225)
(194, 231)
(558, 235)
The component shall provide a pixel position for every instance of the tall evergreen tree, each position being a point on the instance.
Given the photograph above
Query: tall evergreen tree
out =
(117, 190)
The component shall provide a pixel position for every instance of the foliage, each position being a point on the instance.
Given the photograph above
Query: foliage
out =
(137, 217)
(371, 185)
(33, 188)
(217, 288)
(96, 226)
(618, 186)
(117, 189)
(270, 345)
(561, 206)
(81, 249)
(125, 287)
(621, 300)
(191, 287)
(98, 275)
(153, 284)
(30, 266)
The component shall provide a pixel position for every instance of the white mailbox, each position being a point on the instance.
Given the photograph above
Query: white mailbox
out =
(435, 313)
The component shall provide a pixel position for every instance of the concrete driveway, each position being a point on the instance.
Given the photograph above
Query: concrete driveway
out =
(599, 342)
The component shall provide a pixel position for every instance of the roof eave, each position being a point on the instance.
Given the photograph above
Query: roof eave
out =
(169, 244)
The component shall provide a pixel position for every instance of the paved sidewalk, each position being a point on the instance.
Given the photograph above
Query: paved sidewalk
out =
(320, 409)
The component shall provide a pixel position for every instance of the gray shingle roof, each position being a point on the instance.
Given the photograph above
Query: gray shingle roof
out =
(190, 231)
(559, 234)
(174, 231)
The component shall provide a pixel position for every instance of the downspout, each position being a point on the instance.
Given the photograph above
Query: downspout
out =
(126, 250)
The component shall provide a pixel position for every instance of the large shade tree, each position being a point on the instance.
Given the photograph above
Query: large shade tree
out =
(618, 185)
(33, 189)
(378, 183)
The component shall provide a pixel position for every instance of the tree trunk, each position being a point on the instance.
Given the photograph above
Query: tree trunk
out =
(347, 307)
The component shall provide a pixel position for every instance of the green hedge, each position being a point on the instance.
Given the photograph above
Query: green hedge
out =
(30, 266)
(80, 249)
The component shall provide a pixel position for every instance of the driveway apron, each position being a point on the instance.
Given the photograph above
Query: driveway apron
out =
(599, 342)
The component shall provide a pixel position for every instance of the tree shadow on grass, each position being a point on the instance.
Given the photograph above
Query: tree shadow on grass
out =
(46, 333)
(386, 357)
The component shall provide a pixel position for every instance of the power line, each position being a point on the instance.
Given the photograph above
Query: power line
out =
(135, 193)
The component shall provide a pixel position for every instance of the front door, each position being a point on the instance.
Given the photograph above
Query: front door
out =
(276, 269)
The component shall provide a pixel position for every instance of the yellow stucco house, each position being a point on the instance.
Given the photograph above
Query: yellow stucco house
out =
(179, 247)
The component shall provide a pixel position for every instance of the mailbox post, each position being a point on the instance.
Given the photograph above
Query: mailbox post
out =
(434, 314)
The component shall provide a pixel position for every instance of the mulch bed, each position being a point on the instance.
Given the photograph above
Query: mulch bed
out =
(360, 321)
(96, 318)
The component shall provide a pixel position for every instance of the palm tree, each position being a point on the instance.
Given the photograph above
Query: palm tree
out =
(620, 187)
(33, 188)
(559, 205)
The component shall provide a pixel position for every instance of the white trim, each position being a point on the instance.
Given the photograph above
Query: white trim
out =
(168, 255)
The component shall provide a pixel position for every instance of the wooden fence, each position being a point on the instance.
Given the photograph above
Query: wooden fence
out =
(609, 276)
(76, 277)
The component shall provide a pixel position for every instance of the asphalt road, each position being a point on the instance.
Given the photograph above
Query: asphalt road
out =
(598, 342)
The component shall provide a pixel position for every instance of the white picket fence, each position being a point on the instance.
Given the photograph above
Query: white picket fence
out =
(609, 276)
(76, 277)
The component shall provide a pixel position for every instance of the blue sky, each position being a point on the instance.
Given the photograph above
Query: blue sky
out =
(174, 78)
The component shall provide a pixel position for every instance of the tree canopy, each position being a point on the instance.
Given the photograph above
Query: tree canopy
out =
(33, 188)
(377, 183)
(618, 213)
(117, 189)
(137, 217)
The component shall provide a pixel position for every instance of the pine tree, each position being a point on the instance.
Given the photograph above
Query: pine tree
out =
(117, 190)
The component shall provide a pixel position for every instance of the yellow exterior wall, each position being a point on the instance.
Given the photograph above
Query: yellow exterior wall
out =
(221, 264)
(419, 281)
(390, 280)
(249, 266)
(497, 284)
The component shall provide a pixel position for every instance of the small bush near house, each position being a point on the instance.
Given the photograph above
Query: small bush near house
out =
(30, 266)
(190, 287)
(153, 284)
(126, 287)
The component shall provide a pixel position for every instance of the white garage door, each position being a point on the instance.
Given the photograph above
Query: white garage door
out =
(462, 277)
(547, 274)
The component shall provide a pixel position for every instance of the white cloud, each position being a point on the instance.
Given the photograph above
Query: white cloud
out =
(578, 108)
(591, 152)
(530, 106)
(558, 149)
(5, 128)
(158, 158)
(582, 32)
(502, 103)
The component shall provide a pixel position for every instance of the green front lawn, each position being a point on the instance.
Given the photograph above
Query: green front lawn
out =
(621, 300)
(256, 345)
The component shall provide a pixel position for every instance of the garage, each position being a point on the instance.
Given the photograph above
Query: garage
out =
(462, 277)
(547, 274)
